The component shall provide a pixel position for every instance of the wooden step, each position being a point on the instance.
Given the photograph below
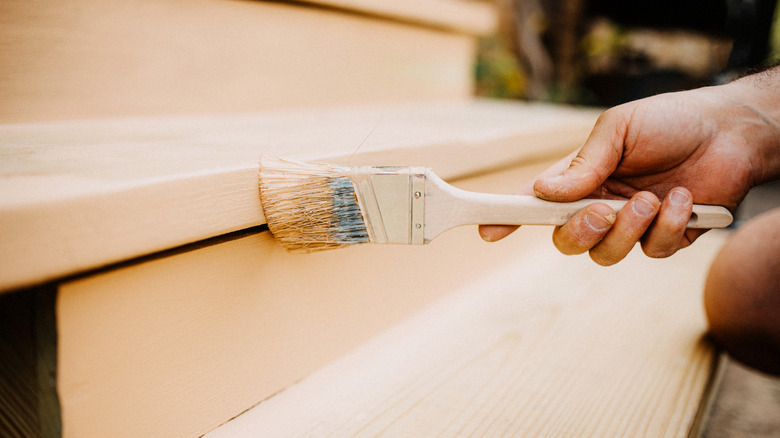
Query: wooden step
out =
(177, 344)
(80, 195)
(179, 340)
(95, 59)
(539, 345)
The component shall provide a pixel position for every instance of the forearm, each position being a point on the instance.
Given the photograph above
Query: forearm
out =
(757, 100)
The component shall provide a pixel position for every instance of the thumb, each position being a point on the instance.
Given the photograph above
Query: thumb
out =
(589, 167)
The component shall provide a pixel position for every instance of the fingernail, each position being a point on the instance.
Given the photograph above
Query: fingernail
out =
(599, 223)
(643, 207)
(677, 197)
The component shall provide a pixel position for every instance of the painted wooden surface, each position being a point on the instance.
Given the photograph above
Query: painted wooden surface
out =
(79, 195)
(459, 15)
(177, 345)
(539, 345)
(181, 344)
(93, 59)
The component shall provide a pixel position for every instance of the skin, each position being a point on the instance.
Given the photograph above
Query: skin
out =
(742, 299)
(664, 153)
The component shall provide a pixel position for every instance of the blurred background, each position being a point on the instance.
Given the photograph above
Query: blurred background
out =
(606, 52)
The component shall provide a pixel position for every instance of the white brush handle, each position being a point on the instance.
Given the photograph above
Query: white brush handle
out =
(447, 207)
(530, 210)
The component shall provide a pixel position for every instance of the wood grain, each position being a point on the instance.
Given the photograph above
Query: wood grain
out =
(79, 195)
(541, 345)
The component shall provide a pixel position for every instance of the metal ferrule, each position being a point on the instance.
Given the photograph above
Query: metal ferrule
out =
(392, 200)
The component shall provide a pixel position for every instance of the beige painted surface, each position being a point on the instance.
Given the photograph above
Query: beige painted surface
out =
(179, 345)
(91, 58)
(534, 341)
(472, 16)
(79, 195)
(542, 345)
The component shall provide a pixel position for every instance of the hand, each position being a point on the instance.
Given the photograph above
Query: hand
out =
(662, 154)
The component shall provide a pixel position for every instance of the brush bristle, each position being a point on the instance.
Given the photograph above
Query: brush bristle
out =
(310, 206)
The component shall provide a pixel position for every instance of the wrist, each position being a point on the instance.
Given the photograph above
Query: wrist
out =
(755, 100)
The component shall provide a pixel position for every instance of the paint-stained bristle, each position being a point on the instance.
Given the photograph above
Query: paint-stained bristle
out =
(310, 206)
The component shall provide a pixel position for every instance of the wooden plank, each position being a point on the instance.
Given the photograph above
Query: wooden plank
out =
(540, 345)
(93, 59)
(474, 17)
(178, 345)
(79, 195)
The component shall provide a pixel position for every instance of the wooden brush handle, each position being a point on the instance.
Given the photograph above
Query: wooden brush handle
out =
(447, 207)
(530, 210)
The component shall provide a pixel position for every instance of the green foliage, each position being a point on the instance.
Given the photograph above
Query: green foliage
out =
(774, 37)
(498, 73)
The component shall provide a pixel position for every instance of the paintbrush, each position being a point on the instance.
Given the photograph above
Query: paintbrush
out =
(313, 206)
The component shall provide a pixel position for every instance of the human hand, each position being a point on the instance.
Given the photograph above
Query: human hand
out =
(662, 154)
